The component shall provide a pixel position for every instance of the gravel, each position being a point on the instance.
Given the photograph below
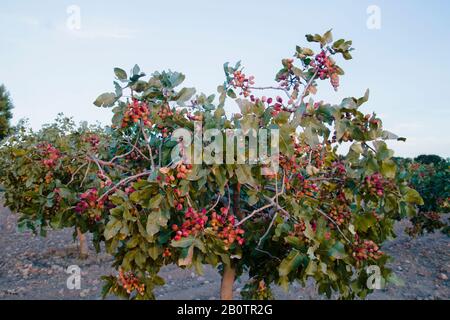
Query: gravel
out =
(32, 267)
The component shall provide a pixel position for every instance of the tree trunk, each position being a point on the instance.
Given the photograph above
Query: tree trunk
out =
(84, 252)
(226, 288)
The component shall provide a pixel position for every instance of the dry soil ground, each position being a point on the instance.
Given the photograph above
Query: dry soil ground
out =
(35, 268)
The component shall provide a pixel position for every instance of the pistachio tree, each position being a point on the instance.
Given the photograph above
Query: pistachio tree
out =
(321, 208)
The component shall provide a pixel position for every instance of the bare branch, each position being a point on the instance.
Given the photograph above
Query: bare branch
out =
(272, 88)
(124, 181)
(85, 175)
(147, 143)
(305, 91)
(76, 171)
(268, 230)
(215, 204)
(334, 222)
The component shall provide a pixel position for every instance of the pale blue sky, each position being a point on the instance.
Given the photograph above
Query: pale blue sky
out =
(49, 68)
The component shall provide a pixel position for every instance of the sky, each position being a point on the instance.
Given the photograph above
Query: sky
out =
(401, 54)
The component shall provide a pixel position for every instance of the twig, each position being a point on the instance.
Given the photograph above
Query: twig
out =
(267, 206)
(125, 181)
(305, 91)
(271, 204)
(268, 253)
(147, 142)
(268, 229)
(76, 171)
(367, 145)
(85, 175)
(215, 204)
(272, 88)
(138, 151)
(126, 154)
(334, 222)
(98, 165)
(160, 153)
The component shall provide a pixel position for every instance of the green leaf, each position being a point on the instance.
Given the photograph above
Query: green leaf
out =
(357, 147)
(153, 252)
(363, 99)
(183, 243)
(388, 169)
(337, 251)
(120, 74)
(290, 263)
(314, 38)
(327, 37)
(412, 196)
(231, 94)
(311, 269)
(153, 225)
(119, 90)
(155, 201)
(112, 228)
(105, 100)
(364, 221)
(136, 70)
(184, 95)
(383, 152)
(244, 174)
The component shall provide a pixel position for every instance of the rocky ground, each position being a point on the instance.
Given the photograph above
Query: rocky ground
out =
(35, 268)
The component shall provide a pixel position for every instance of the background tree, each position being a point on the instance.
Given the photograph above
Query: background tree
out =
(429, 159)
(5, 111)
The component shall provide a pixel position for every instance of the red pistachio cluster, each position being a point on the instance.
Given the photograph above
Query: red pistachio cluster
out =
(89, 200)
(165, 112)
(136, 111)
(93, 140)
(224, 224)
(181, 172)
(57, 199)
(326, 68)
(299, 230)
(366, 249)
(130, 283)
(278, 106)
(167, 253)
(375, 184)
(241, 81)
(129, 190)
(339, 168)
(105, 181)
(284, 78)
(178, 202)
(49, 154)
(306, 188)
(339, 214)
(164, 130)
(194, 223)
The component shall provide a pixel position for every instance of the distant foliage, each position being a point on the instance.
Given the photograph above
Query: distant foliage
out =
(6, 106)
(430, 176)
(45, 173)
